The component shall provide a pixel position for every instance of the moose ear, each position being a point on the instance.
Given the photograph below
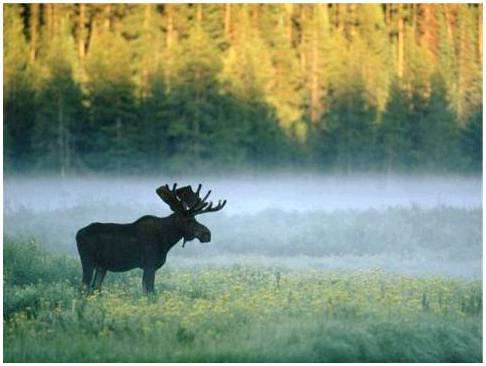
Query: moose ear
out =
(169, 197)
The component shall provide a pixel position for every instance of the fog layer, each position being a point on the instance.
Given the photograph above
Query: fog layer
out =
(250, 194)
(411, 225)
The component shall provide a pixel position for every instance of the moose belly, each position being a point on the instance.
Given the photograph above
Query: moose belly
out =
(119, 254)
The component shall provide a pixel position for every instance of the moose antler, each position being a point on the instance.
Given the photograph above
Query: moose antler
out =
(170, 197)
(201, 206)
(210, 207)
(184, 200)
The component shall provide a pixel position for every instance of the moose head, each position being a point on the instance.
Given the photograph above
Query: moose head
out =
(186, 204)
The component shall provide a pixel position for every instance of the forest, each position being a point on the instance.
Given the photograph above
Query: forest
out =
(150, 88)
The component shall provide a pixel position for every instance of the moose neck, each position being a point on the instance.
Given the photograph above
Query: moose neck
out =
(172, 231)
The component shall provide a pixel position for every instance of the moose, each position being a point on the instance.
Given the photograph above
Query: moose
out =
(144, 243)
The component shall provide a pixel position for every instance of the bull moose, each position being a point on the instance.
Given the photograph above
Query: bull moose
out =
(144, 243)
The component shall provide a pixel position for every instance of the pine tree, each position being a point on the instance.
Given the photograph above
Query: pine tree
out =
(369, 48)
(472, 141)
(141, 26)
(396, 131)
(59, 116)
(469, 73)
(284, 90)
(19, 95)
(191, 93)
(112, 131)
(440, 148)
(247, 63)
(350, 136)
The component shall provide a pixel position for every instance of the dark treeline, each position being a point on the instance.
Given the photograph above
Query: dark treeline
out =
(158, 87)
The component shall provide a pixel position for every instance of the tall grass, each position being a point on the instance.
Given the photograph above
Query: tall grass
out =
(235, 314)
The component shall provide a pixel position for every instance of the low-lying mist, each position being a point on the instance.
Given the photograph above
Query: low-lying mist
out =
(411, 225)
(249, 194)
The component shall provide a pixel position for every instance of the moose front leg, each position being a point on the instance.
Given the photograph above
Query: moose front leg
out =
(148, 280)
(99, 277)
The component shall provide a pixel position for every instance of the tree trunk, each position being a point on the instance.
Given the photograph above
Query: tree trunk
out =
(414, 17)
(227, 21)
(34, 31)
(461, 69)
(81, 31)
(145, 61)
(61, 140)
(480, 33)
(289, 8)
(314, 87)
(449, 23)
(199, 15)
(351, 17)
(255, 14)
(340, 16)
(49, 15)
(170, 27)
(302, 52)
(400, 42)
(93, 31)
(107, 21)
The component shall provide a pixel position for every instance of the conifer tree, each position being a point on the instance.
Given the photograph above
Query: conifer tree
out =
(440, 148)
(350, 132)
(472, 141)
(18, 92)
(315, 53)
(59, 115)
(112, 130)
(469, 73)
(396, 131)
(284, 91)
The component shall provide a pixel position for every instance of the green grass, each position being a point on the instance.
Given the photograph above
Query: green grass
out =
(235, 314)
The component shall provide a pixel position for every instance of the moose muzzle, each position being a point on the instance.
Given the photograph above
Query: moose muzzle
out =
(205, 237)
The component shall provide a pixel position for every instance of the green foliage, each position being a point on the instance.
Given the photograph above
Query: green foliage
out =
(472, 140)
(397, 130)
(440, 141)
(19, 95)
(112, 127)
(152, 88)
(59, 116)
(25, 263)
(243, 314)
(350, 132)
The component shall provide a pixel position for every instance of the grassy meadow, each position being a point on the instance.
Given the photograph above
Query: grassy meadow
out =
(235, 314)
(339, 270)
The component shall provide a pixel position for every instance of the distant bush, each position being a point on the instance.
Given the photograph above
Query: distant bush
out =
(452, 233)
(26, 263)
(446, 232)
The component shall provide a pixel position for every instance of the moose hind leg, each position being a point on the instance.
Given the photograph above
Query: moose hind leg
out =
(88, 269)
(148, 280)
(99, 277)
